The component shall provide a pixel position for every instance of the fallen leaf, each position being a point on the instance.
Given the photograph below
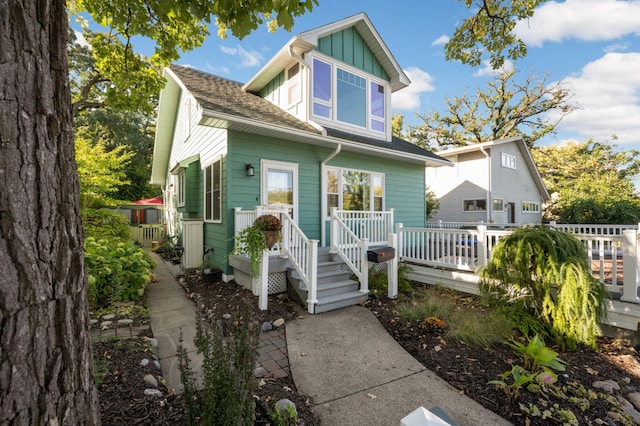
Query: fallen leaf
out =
(437, 348)
(592, 371)
(302, 354)
(287, 388)
(372, 396)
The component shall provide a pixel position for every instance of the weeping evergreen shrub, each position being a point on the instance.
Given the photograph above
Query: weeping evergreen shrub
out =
(546, 271)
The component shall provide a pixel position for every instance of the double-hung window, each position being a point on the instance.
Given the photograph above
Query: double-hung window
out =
(354, 190)
(348, 96)
(213, 192)
(180, 188)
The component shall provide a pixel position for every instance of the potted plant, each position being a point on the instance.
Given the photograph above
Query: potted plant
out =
(263, 234)
(211, 274)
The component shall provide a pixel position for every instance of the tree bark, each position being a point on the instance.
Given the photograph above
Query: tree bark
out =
(45, 353)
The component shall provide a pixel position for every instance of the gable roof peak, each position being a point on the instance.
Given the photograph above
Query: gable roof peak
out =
(308, 40)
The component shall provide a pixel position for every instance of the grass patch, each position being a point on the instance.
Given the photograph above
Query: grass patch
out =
(466, 319)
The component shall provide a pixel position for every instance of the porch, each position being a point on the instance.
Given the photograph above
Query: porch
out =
(450, 254)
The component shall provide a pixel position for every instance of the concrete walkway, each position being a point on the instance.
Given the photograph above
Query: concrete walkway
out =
(358, 374)
(355, 371)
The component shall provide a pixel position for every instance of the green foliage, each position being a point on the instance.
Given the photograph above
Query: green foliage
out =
(286, 417)
(432, 203)
(378, 280)
(547, 271)
(591, 182)
(536, 356)
(505, 108)
(524, 320)
(117, 271)
(251, 241)
(229, 350)
(473, 325)
(105, 223)
(512, 381)
(101, 172)
(124, 79)
(490, 30)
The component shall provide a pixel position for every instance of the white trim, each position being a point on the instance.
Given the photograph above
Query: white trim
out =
(204, 190)
(265, 165)
(508, 161)
(533, 203)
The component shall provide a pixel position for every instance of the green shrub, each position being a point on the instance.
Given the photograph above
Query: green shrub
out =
(547, 271)
(117, 271)
(104, 223)
(378, 281)
(229, 350)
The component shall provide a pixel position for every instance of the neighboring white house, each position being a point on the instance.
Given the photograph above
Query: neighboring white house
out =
(496, 182)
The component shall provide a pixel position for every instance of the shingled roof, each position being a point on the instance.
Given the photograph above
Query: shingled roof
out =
(226, 97)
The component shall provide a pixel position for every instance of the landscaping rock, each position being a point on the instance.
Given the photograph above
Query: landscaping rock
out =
(282, 405)
(628, 409)
(93, 322)
(606, 385)
(278, 323)
(150, 380)
(106, 324)
(226, 316)
(153, 392)
(144, 362)
(259, 372)
(266, 326)
(157, 364)
(634, 398)
(154, 342)
(108, 317)
(125, 322)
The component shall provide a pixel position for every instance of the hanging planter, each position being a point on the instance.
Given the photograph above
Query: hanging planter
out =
(253, 240)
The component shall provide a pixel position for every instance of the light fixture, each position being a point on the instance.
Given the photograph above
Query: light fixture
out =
(249, 169)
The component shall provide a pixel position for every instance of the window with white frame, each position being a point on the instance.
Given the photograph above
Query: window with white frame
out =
(474, 205)
(530, 207)
(508, 161)
(294, 87)
(355, 98)
(213, 192)
(354, 190)
(498, 205)
(180, 188)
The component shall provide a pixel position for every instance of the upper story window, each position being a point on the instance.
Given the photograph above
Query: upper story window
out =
(508, 161)
(349, 97)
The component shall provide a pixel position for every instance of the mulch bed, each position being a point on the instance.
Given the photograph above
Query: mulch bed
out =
(466, 368)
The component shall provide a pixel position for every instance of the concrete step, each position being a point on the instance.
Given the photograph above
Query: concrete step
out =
(337, 301)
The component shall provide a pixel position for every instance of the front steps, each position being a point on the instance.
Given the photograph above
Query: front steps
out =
(335, 287)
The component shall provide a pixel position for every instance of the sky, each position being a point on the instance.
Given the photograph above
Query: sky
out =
(590, 46)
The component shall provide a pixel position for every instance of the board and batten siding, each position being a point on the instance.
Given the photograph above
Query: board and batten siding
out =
(349, 47)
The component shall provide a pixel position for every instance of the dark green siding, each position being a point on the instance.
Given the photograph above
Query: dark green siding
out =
(349, 47)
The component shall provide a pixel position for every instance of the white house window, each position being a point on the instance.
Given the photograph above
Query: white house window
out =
(354, 190)
(349, 97)
(508, 161)
(530, 207)
(180, 189)
(498, 205)
(213, 192)
(474, 205)
(294, 89)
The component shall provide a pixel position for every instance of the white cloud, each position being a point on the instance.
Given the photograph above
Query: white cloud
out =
(607, 92)
(591, 20)
(218, 69)
(80, 39)
(249, 58)
(488, 71)
(408, 99)
(443, 39)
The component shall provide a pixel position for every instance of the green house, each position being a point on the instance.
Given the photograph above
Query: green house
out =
(307, 138)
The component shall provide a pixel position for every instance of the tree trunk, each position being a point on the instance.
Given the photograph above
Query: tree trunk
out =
(45, 353)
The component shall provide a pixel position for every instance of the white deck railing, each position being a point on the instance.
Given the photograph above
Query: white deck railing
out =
(374, 226)
(351, 248)
(609, 248)
(148, 234)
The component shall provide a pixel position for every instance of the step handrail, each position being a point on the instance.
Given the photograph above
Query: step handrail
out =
(351, 249)
(303, 255)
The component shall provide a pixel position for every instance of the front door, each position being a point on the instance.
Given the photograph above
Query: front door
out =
(511, 213)
(280, 186)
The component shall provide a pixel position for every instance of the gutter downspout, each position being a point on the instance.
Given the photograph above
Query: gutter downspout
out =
(323, 201)
(489, 185)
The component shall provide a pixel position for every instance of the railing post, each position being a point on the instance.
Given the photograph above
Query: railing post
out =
(236, 222)
(285, 235)
(399, 250)
(630, 260)
(333, 232)
(312, 291)
(364, 266)
(392, 269)
(263, 281)
(482, 245)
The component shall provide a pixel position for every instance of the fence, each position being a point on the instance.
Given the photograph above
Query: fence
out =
(148, 234)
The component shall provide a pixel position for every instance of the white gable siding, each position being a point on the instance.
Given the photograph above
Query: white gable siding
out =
(513, 186)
